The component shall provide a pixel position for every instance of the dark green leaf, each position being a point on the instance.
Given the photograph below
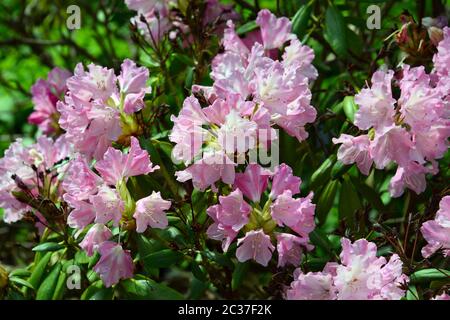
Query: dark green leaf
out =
(163, 259)
(339, 169)
(47, 287)
(335, 31)
(198, 272)
(60, 286)
(428, 275)
(301, 19)
(349, 202)
(326, 200)
(320, 240)
(48, 246)
(239, 274)
(39, 269)
(350, 108)
(21, 282)
(149, 290)
(322, 174)
(219, 258)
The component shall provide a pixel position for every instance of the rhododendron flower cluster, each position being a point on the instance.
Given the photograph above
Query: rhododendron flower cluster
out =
(259, 220)
(437, 232)
(411, 131)
(105, 199)
(361, 275)
(32, 171)
(99, 106)
(252, 92)
(45, 95)
(250, 67)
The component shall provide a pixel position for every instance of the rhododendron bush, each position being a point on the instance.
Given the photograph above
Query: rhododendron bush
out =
(215, 149)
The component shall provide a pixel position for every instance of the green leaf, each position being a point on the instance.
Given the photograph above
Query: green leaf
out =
(411, 293)
(350, 108)
(39, 269)
(21, 282)
(349, 202)
(427, 275)
(238, 274)
(149, 290)
(322, 174)
(197, 289)
(369, 194)
(320, 240)
(20, 273)
(198, 272)
(219, 258)
(103, 294)
(339, 169)
(61, 286)
(81, 257)
(48, 246)
(91, 290)
(163, 259)
(326, 200)
(189, 79)
(47, 288)
(301, 19)
(245, 28)
(335, 31)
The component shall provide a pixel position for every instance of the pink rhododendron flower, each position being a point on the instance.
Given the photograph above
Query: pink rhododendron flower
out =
(234, 214)
(80, 181)
(108, 205)
(311, 286)
(253, 182)
(255, 245)
(376, 103)
(355, 150)
(114, 264)
(206, 172)
(132, 83)
(274, 31)
(437, 232)
(361, 275)
(283, 180)
(150, 211)
(45, 95)
(441, 59)
(392, 144)
(298, 214)
(96, 235)
(290, 248)
(117, 166)
(412, 176)
(99, 106)
(229, 217)
(82, 213)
